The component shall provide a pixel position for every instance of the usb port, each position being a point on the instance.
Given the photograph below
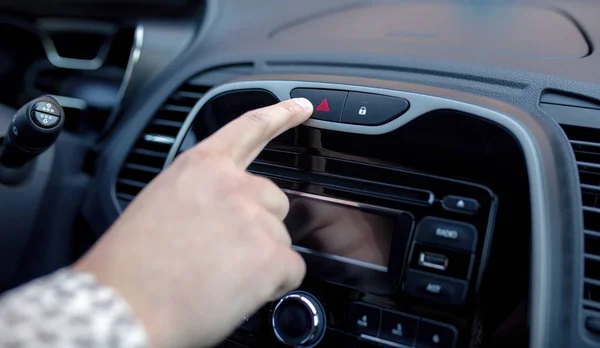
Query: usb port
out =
(431, 260)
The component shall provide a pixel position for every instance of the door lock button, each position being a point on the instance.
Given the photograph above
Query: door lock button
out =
(372, 109)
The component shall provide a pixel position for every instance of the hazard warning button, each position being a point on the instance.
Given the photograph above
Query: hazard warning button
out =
(328, 104)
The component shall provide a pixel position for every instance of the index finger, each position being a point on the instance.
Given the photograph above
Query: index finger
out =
(245, 137)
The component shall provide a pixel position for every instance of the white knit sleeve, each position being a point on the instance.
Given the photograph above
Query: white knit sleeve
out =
(68, 309)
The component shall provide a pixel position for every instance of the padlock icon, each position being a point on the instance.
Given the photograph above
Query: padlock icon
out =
(362, 111)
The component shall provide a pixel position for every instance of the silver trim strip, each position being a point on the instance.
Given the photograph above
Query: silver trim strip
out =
(134, 57)
(343, 202)
(420, 105)
(45, 25)
(157, 138)
(382, 341)
(340, 258)
(73, 63)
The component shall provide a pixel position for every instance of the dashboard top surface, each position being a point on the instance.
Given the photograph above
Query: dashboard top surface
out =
(486, 39)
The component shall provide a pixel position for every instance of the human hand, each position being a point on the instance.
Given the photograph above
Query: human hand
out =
(204, 245)
(341, 231)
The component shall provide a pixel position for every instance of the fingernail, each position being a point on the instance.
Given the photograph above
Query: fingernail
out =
(304, 103)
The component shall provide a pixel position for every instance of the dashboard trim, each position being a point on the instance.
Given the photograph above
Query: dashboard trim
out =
(541, 296)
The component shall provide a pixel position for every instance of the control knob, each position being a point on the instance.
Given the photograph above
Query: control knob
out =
(299, 320)
(34, 128)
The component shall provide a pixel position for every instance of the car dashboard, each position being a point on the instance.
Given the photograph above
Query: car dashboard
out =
(463, 137)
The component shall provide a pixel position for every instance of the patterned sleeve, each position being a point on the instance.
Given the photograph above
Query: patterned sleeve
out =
(68, 309)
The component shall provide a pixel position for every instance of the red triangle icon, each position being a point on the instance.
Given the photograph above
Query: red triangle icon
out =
(324, 106)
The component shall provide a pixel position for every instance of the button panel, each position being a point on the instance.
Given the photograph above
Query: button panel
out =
(363, 319)
(365, 109)
(396, 329)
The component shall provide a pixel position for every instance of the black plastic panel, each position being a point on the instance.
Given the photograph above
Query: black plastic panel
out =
(442, 143)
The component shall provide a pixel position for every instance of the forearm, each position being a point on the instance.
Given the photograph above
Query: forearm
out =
(68, 309)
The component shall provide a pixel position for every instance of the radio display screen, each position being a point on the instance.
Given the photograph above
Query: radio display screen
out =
(340, 232)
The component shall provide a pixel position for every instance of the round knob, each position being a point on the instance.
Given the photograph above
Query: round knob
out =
(299, 320)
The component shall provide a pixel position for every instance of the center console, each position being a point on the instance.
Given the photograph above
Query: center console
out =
(395, 226)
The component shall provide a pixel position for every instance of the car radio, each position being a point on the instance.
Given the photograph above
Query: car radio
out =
(394, 256)
(397, 271)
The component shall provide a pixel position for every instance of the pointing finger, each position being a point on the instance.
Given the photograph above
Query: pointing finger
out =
(245, 137)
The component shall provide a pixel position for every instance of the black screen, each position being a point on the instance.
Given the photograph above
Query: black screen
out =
(340, 232)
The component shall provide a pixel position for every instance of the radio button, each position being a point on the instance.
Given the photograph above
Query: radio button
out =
(435, 288)
(362, 319)
(436, 335)
(398, 328)
(447, 233)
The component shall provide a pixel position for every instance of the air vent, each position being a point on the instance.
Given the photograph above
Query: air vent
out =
(586, 145)
(147, 157)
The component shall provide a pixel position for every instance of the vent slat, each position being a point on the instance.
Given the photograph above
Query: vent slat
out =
(587, 165)
(591, 210)
(592, 304)
(125, 197)
(178, 108)
(167, 123)
(133, 183)
(150, 153)
(160, 139)
(142, 168)
(187, 95)
(590, 187)
(585, 143)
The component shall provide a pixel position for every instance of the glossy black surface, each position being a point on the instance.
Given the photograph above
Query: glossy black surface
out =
(222, 109)
(372, 109)
(328, 104)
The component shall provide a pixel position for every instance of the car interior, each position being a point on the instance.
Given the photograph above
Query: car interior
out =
(444, 193)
